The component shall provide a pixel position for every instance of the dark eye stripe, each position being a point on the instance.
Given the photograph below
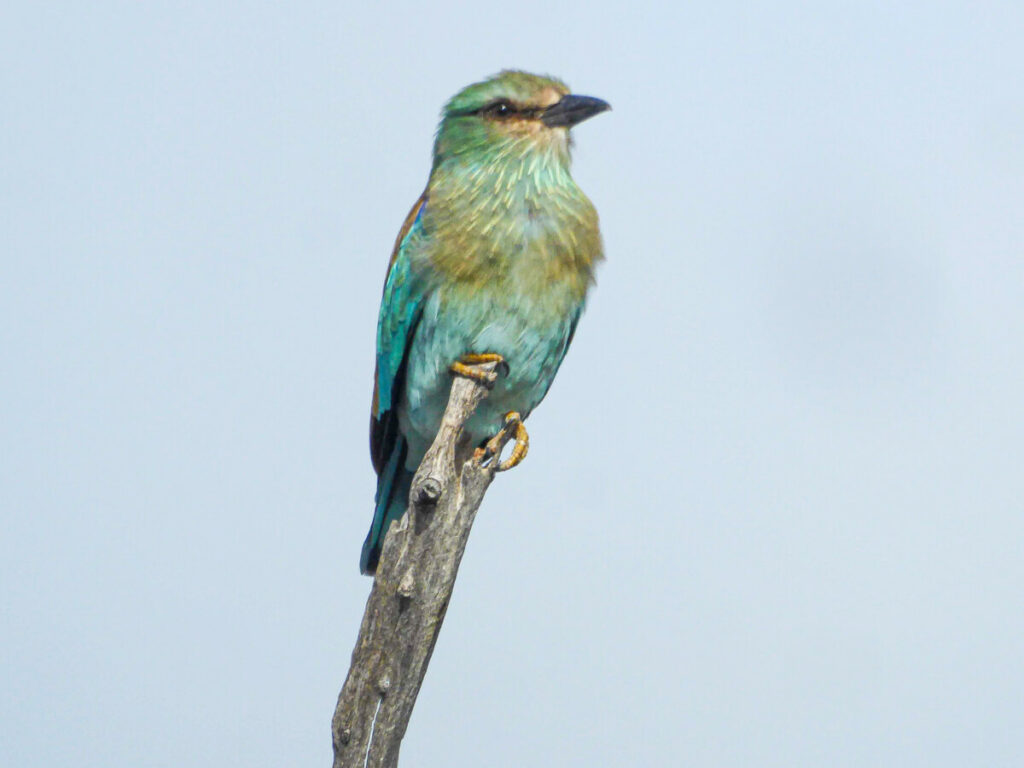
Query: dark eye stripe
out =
(501, 108)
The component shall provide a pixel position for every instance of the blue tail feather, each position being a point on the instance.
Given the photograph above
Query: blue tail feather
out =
(393, 485)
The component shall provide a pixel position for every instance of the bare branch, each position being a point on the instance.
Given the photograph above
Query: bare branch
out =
(411, 590)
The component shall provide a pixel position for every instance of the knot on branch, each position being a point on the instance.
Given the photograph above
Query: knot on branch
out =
(407, 585)
(428, 492)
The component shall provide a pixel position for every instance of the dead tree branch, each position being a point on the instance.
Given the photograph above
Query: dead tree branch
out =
(411, 590)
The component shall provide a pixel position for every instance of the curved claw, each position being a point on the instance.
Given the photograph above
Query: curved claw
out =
(522, 446)
(514, 429)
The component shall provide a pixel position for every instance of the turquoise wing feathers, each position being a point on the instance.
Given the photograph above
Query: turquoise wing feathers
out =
(401, 307)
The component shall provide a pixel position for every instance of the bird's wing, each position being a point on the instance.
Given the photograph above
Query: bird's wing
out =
(400, 311)
(570, 332)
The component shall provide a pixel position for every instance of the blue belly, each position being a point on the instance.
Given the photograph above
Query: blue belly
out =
(531, 338)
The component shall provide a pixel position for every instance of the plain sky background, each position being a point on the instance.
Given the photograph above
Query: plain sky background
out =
(773, 513)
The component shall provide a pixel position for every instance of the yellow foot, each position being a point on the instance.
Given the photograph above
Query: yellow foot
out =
(461, 367)
(514, 429)
(486, 357)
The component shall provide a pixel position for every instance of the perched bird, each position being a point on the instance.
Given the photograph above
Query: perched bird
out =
(492, 264)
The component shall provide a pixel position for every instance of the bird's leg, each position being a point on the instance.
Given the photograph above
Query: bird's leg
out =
(514, 429)
(461, 367)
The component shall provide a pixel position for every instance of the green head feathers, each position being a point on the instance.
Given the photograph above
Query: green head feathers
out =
(511, 114)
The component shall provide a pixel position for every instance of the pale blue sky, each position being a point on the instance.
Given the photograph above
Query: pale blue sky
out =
(773, 513)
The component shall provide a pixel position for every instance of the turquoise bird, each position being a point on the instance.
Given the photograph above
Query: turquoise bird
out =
(492, 264)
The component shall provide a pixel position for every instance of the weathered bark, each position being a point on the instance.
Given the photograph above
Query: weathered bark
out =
(411, 590)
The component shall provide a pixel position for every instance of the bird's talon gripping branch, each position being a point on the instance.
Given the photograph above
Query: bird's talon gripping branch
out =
(514, 429)
(486, 357)
(461, 367)
(522, 438)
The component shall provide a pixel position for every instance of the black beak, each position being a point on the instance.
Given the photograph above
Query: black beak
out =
(572, 110)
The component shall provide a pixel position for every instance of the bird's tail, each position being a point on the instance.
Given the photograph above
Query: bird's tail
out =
(393, 485)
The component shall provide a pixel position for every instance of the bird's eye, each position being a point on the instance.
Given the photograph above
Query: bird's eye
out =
(500, 109)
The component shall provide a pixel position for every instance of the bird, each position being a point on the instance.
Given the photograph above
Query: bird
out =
(492, 264)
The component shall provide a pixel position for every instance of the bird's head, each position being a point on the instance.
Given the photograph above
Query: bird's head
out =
(513, 114)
